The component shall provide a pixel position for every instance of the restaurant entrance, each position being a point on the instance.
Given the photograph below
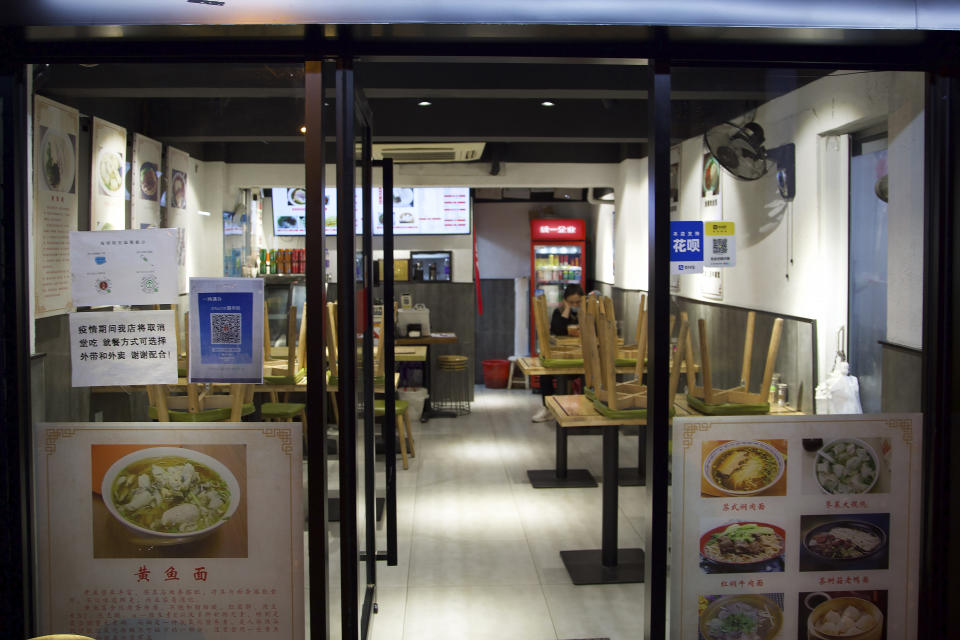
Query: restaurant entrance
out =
(647, 142)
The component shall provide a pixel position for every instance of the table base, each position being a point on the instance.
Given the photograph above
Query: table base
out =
(631, 477)
(586, 567)
(549, 479)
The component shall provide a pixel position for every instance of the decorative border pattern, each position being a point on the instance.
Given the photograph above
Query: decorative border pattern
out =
(285, 437)
(905, 426)
(52, 435)
(692, 428)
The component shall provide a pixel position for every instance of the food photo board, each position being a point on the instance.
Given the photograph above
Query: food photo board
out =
(802, 527)
(170, 532)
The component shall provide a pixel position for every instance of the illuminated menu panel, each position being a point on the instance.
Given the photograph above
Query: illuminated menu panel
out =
(416, 211)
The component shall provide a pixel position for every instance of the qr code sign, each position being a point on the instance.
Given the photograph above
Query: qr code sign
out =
(720, 246)
(225, 328)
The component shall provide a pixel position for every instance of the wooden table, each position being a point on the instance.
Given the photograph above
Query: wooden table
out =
(426, 341)
(531, 366)
(577, 412)
(433, 338)
(609, 564)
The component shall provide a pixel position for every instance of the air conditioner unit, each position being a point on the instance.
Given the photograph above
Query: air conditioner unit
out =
(429, 153)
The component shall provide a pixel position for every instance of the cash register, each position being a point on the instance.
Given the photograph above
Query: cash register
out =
(413, 322)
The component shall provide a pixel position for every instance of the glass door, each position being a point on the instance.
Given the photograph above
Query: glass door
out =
(368, 373)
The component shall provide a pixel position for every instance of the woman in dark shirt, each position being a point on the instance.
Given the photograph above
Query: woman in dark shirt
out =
(562, 319)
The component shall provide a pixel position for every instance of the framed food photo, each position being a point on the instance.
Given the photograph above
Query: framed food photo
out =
(744, 468)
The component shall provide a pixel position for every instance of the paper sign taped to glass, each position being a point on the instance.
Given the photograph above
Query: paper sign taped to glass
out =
(226, 330)
(124, 267)
(123, 348)
(170, 532)
(720, 244)
(686, 247)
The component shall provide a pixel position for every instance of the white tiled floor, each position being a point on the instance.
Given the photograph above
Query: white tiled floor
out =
(479, 547)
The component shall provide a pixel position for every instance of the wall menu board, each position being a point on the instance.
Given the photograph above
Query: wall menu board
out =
(416, 211)
(148, 530)
(800, 527)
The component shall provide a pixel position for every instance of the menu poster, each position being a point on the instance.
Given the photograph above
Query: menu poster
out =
(226, 330)
(711, 202)
(123, 347)
(145, 182)
(796, 527)
(149, 530)
(108, 203)
(178, 165)
(124, 267)
(55, 130)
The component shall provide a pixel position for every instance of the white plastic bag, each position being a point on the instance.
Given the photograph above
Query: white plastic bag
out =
(840, 392)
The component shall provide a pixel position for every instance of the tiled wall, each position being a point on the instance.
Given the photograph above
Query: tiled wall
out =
(726, 329)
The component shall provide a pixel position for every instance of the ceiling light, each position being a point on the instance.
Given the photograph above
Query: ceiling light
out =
(547, 103)
(424, 103)
(603, 193)
(303, 129)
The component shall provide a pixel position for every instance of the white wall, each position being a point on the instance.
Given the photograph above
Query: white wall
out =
(905, 211)
(503, 233)
(630, 225)
(601, 229)
(812, 229)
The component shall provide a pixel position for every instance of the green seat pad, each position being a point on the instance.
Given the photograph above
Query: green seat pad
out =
(380, 406)
(590, 393)
(625, 362)
(210, 415)
(295, 379)
(621, 414)
(281, 409)
(727, 409)
(560, 363)
(334, 381)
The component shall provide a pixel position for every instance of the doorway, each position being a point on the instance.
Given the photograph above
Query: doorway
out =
(868, 265)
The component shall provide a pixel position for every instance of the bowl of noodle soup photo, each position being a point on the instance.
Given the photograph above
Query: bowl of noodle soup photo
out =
(743, 467)
(170, 495)
(741, 547)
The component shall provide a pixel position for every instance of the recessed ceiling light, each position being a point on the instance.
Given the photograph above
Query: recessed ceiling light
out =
(424, 103)
(303, 129)
(547, 103)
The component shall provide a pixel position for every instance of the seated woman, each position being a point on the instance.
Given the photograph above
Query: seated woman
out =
(562, 319)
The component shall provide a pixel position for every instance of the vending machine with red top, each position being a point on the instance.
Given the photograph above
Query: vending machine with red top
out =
(558, 257)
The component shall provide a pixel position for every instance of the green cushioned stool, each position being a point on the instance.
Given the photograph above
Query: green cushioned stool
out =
(294, 379)
(622, 414)
(560, 363)
(208, 415)
(282, 411)
(727, 409)
(403, 426)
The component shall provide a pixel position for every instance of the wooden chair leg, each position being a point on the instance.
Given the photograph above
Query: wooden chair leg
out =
(409, 430)
(333, 405)
(510, 375)
(403, 441)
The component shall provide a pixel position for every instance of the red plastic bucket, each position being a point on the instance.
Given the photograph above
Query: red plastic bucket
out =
(495, 373)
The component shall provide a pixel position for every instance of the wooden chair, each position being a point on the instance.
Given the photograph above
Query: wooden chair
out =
(62, 636)
(199, 404)
(561, 348)
(739, 399)
(598, 329)
(292, 368)
(379, 406)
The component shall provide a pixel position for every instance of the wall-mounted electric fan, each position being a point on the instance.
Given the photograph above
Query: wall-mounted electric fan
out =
(740, 151)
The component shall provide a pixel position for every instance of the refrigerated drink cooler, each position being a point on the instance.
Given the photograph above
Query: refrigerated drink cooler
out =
(558, 258)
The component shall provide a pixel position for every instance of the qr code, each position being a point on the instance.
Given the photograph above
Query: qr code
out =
(720, 245)
(225, 328)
